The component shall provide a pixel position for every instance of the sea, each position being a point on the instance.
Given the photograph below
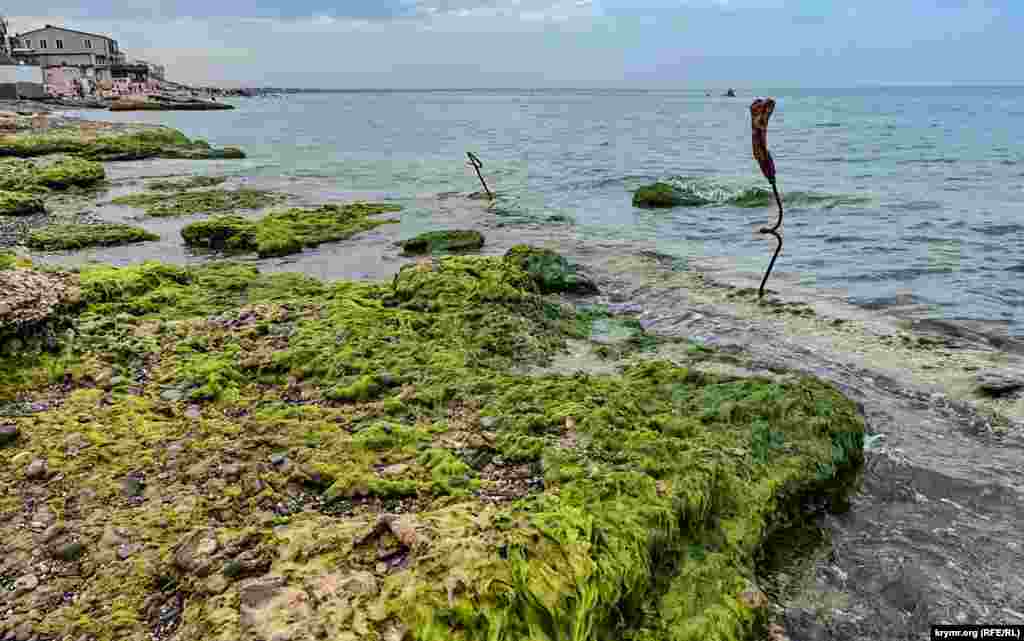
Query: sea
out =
(891, 194)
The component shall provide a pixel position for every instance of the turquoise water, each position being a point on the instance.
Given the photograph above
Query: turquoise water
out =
(915, 193)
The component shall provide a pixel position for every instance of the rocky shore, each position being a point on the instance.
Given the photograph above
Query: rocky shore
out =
(487, 439)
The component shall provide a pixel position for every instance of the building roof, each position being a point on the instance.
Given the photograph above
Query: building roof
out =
(50, 26)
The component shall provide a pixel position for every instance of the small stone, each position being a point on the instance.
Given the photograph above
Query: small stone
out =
(392, 471)
(232, 470)
(754, 598)
(125, 550)
(133, 486)
(26, 583)
(172, 395)
(8, 434)
(37, 469)
(487, 422)
(117, 380)
(69, 551)
(193, 412)
(278, 459)
(52, 532)
(382, 568)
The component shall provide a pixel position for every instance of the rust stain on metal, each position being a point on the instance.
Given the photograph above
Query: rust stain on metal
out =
(760, 111)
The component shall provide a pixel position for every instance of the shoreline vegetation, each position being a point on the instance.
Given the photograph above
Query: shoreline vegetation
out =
(218, 452)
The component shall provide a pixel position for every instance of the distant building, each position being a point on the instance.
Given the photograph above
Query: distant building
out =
(93, 54)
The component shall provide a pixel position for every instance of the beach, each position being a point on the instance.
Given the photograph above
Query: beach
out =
(573, 442)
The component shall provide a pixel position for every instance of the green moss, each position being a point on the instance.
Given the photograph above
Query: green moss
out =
(551, 271)
(109, 145)
(619, 506)
(63, 173)
(452, 240)
(285, 232)
(189, 183)
(14, 203)
(78, 236)
(659, 194)
(207, 201)
(71, 172)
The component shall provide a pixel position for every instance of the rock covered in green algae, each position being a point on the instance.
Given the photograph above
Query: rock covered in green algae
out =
(191, 182)
(40, 176)
(286, 232)
(659, 194)
(78, 236)
(551, 271)
(449, 240)
(464, 500)
(103, 142)
(206, 201)
(16, 203)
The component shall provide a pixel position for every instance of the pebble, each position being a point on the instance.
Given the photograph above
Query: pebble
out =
(26, 583)
(8, 434)
(37, 469)
(487, 422)
(278, 459)
(193, 412)
(172, 395)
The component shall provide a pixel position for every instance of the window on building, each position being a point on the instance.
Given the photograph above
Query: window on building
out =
(42, 44)
(28, 44)
(60, 44)
(88, 44)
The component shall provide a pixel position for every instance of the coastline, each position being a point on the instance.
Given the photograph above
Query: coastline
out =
(925, 496)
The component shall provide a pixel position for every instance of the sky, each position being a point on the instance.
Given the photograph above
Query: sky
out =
(658, 44)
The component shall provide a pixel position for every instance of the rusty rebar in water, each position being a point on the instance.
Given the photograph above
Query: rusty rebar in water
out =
(476, 164)
(760, 111)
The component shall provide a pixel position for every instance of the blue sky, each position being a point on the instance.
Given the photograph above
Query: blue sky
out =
(559, 43)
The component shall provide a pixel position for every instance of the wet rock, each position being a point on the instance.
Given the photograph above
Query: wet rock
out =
(446, 241)
(278, 459)
(803, 625)
(195, 554)
(133, 486)
(551, 271)
(69, 552)
(997, 383)
(37, 469)
(193, 412)
(8, 434)
(664, 195)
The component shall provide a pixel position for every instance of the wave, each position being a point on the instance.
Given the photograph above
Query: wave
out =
(714, 192)
(998, 230)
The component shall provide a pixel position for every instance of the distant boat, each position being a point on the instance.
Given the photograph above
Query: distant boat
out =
(729, 94)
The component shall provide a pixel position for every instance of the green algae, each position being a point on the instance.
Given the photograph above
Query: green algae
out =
(286, 232)
(61, 174)
(189, 183)
(15, 203)
(207, 201)
(109, 145)
(72, 236)
(532, 507)
(449, 240)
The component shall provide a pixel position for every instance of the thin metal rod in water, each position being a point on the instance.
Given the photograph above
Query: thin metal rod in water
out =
(773, 232)
(476, 164)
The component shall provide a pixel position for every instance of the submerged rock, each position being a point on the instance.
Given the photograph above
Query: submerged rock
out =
(451, 240)
(664, 195)
(997, 383)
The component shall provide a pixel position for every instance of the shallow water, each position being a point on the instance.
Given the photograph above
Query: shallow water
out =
(894, 195)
